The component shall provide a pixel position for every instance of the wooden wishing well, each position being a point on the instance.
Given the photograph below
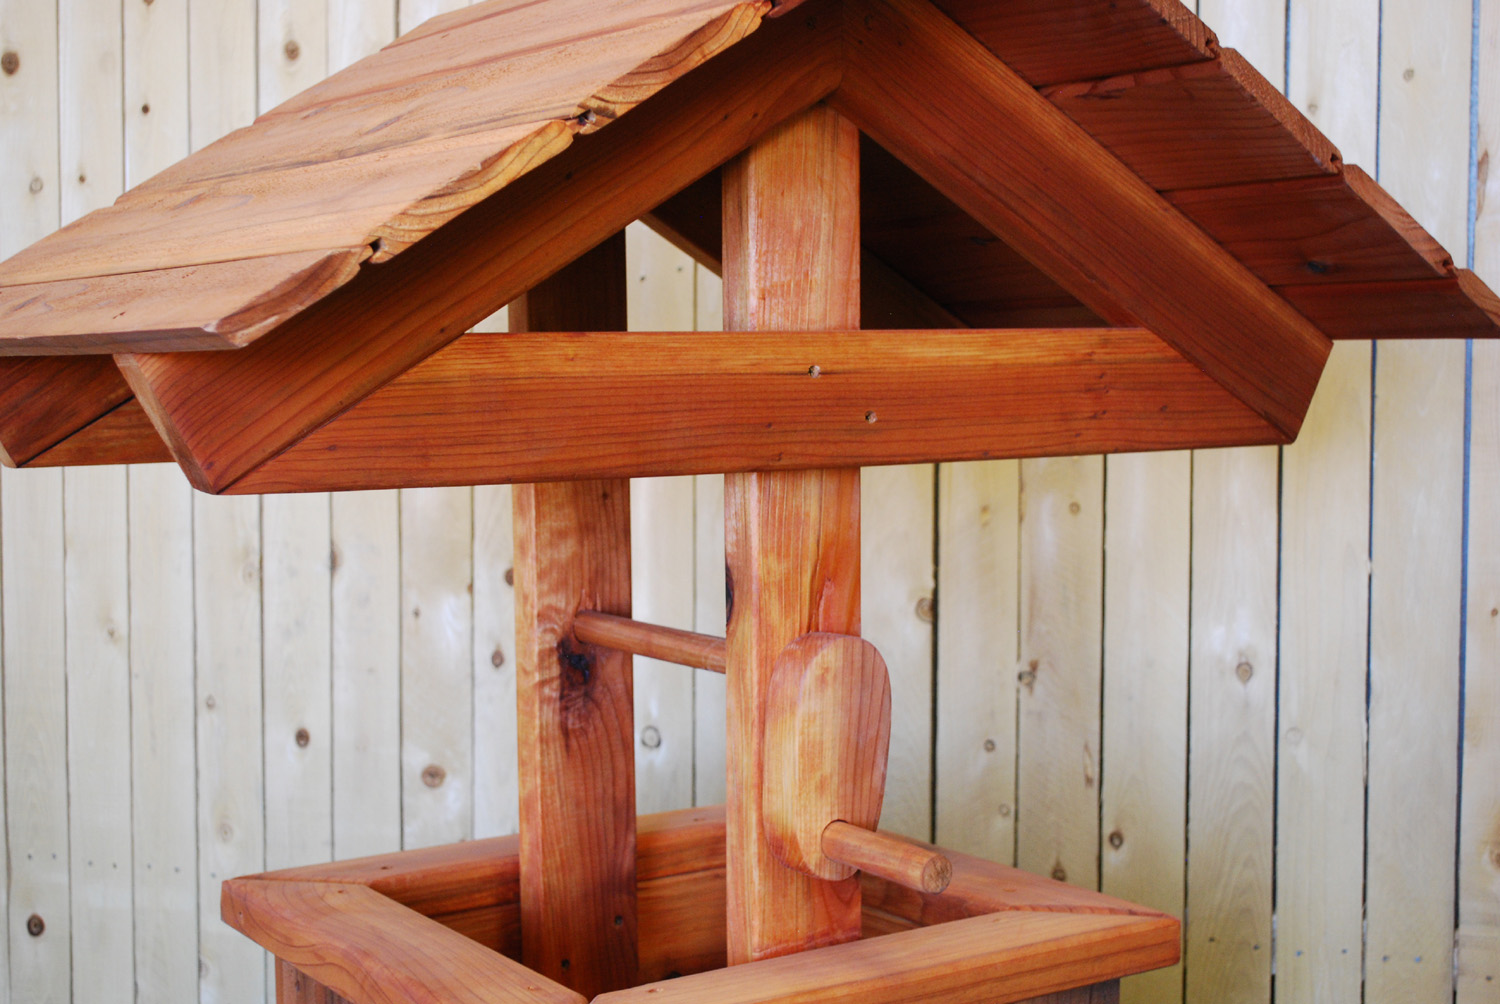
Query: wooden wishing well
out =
(948, 229)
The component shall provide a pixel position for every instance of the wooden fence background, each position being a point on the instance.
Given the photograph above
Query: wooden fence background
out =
(1258, 688)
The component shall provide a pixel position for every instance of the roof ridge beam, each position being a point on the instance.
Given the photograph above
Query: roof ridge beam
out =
(1068, 204)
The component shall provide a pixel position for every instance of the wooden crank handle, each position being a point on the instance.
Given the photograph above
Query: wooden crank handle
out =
(892, 858)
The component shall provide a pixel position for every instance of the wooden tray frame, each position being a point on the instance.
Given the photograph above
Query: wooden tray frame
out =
(443, 924)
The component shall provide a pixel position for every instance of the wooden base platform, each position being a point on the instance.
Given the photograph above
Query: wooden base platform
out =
(443, 925)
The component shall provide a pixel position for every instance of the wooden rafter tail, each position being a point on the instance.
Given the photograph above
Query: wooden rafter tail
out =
(45, 401)
(225, 417)
(1068, 204)
(123, 435)
(644, 404)
(1460, 306)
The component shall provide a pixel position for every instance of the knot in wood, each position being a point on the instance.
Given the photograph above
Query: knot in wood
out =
(10, 62)
(35, 925)
(303, 738)
(433, 776)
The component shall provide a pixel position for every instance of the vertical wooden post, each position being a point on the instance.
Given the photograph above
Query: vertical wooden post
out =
(575, 722)
(791, 262)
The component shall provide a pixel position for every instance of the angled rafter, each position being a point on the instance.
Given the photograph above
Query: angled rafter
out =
(683, 403)
(1057, 196)
(44, 401)
(225, 416)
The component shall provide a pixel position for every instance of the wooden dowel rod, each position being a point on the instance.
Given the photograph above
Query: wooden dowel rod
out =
(685, 648)
(889, 857)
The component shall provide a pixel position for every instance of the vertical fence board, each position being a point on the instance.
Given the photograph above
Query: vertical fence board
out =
(366, 713)
(496, 785)
(1148, 509)
(1416, 543)
(436, 677)
(1057, 751)
(31, 559)
(978, 572)
(163, 793)
(660, 298)
(897, 583)
(231, 791)
(1231, 759)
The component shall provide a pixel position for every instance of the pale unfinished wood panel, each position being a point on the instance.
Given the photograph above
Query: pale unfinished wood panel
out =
(1416, 535)
(1477, 968)
(1324, 611)
(36, 751)
(898, 611)
(357, 28)
(228, 730)
(1057, 741)
(709, 613)
(496, 778)
(666, 403)
(97, 614)
(164, 825)
(1230, 748)
(660, 290)
(1055, 41)
(977, 628)
(1148, 511)
(365, 626)
(437, 697)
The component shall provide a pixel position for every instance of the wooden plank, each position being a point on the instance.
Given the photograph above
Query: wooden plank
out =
(1416, 544)
(1328, 229)
(437, 724)
(228, 304)
(230, 762)
(1056, 41)
(659, 295)
(1231, 767)
(978, 573)
(791, 538)
(164, 828)
(496, 777)
(375, 155)
(709, 606)
(897, 581)
(123, 435)
(293, 987)
(1003, 957)
(1212, 123)
(44, 401)
(1062, 591)
(163, 797)
(1122, 251)
(360, 337)
(574, 702)
(36, 750)
(1457, 307)
(363, 946)
(97, 615)
(664, 403)
(365, 627)
(1148, 515)
(1478, 950)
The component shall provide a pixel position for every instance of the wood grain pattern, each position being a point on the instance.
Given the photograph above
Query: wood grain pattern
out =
(1056, 41)
(335, 353)
(220, 305)
(123, 435)
(645, 404)
(1217, 122)
(791, 260)
(1122, 251)
(574, 706)
(1004, 957)
(826, 737)
(1457, 307)
(367, 948)
(895, 859)
(1323, 229)
(293, 987)
(44, 401)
